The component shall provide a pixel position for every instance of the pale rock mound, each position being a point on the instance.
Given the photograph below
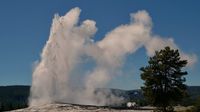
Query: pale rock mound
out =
(73, 108)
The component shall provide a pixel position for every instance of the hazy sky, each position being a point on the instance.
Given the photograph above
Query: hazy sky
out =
(25, 26)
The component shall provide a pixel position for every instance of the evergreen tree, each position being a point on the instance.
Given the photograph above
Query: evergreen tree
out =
(164, 79)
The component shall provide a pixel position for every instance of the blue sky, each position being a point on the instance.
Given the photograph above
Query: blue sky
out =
(25, 25)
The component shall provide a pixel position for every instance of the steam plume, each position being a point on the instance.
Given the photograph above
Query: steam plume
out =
(70, 43)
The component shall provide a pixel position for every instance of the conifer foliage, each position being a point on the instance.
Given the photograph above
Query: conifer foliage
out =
(164, 79)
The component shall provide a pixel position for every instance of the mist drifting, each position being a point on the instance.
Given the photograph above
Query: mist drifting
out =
(69, 43)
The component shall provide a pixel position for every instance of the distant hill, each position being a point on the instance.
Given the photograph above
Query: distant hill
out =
(13, 97)
(194, 91)
(15, 92)
(127, 95)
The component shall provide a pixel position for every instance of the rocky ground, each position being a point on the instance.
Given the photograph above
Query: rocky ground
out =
(76, 108)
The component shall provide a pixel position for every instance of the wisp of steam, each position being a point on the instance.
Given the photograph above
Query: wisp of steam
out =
(71, 43)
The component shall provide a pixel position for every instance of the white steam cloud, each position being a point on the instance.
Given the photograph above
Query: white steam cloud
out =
(69, 43)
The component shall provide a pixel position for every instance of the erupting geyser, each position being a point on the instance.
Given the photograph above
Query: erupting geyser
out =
(69, 43)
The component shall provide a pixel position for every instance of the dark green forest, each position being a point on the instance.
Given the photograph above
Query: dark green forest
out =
(15, 97)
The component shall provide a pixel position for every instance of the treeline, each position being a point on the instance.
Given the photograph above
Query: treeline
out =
(12, 105)
(13, 97)
(16, 97)
(193, 99)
